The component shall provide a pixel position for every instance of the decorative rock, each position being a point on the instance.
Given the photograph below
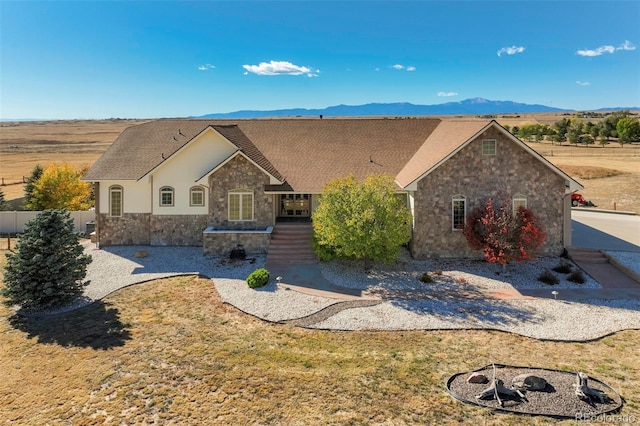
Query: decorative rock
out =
(141, 253)
(477, 378)
(528, 382)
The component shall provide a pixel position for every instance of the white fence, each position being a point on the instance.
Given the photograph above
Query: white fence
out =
(13, 222)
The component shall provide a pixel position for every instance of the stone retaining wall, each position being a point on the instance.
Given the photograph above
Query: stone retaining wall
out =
(219, 242)
(177, 230)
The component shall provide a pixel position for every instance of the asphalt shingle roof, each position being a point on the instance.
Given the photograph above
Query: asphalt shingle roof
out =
(306, 153)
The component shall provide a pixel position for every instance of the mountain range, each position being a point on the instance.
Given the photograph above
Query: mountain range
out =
(468, 106)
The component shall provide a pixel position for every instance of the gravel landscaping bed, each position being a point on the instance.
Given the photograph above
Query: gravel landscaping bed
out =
(437, 305)
(455, 274)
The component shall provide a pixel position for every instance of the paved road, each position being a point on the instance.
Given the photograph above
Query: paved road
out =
(608, 231)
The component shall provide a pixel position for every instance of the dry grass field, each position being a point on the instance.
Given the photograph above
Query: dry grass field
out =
(169, 352)
(23, 145)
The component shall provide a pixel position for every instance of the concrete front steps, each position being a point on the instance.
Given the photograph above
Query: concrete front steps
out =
(291, 245)
(596, 264)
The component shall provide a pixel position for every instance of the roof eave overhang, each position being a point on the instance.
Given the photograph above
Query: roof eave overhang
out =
(413, 186)
(204, 179)
(207, 129)
(571, 184)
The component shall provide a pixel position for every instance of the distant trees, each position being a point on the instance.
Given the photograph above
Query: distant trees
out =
(361, 220)
(628, 130)
(619, 125)
(58, 187)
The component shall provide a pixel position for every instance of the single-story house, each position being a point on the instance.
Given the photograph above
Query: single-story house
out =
(217, 183)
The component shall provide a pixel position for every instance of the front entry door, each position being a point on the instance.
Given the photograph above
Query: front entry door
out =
(295, 205)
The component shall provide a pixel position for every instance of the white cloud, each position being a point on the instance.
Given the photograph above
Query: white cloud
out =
(596, 52)
(627, 45)
(583, 83)
(206, 67)
(376, 69)
(447, 94)
(402, 67)
(511, 50)
(280, 68)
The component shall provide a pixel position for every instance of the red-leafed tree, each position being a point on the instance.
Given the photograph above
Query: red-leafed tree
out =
(503, 235)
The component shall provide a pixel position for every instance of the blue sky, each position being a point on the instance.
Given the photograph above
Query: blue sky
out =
(148, 59)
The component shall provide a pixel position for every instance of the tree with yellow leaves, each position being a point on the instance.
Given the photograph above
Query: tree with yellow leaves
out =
(60, 187)
(361, 220)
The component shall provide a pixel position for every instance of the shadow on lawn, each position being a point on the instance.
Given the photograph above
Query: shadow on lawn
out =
(96, 326)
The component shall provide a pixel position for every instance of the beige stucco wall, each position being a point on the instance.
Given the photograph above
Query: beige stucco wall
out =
(512, 171)
(182, 170)
(136, 196)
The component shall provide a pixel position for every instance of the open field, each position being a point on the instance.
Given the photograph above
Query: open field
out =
(169, 351)
(25, 144)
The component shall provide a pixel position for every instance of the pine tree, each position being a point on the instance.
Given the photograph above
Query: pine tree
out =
(3, 203)
(36, 173)
(48, 267)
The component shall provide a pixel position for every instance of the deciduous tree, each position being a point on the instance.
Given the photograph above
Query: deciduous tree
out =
(60, 187)
(361, 220)
(502, 234)
(628, 130)
(48, 267)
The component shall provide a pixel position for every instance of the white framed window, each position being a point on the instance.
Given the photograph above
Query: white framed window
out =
(489, 147)
(166, 196)
(519, 200)
(196, 196)
(458, 212)
(240, 205)
(115, 200)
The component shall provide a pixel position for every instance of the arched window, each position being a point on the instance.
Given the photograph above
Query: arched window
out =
(196, 196)
(166, 196)
(458, 212)
(115, 200)
(240, 205)
(519, 200)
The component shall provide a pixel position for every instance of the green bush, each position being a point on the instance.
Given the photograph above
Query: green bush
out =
(258, 278)
(426, 278)
(577, 277)
(562, 267)
(547, 277)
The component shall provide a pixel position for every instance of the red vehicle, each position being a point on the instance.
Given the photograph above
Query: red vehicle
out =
(578, 200)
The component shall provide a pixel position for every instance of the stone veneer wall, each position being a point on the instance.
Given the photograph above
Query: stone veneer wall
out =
(512, 171)
(130, 229)
(177, 230)
(221, 243)
(239, 173)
